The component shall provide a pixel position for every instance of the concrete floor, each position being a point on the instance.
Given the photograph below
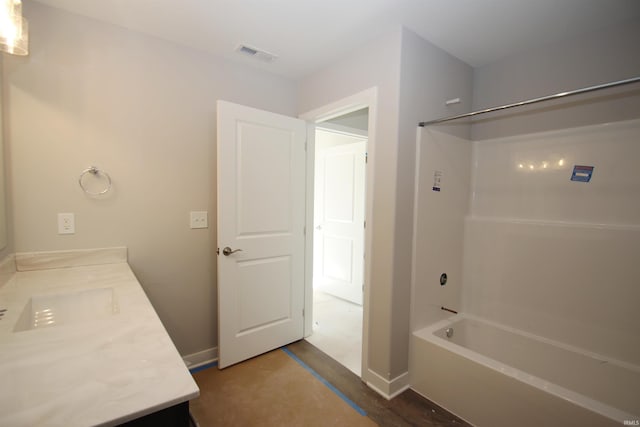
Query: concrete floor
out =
(269, 390)
(299, 386)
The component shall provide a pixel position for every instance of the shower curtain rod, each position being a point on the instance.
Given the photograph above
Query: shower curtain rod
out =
(533, 101)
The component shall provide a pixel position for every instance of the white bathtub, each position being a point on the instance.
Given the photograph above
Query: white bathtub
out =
(492, 375)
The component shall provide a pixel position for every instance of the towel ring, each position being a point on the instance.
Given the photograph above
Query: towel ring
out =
(95, 172)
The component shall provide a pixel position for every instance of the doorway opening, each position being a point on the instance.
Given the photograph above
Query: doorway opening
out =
(340, 157)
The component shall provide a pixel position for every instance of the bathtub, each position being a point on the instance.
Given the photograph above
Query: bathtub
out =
(492, 375)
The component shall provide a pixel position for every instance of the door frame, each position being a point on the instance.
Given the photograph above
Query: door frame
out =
(365, 99)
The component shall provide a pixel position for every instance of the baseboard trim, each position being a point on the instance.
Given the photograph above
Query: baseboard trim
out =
(201, 358)
(387, 388)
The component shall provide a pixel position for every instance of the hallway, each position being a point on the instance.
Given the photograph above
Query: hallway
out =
(337, 330)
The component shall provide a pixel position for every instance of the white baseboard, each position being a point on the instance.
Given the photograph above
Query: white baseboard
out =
(201, 358)
(387, 388)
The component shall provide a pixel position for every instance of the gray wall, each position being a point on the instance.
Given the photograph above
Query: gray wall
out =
(143, 110)
(414, 78)
(599, 57)
(376, 64)
(429, 76)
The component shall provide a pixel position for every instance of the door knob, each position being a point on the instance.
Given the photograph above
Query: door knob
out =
(228, 251)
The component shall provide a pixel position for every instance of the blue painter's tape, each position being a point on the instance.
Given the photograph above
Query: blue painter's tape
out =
(203, 367)
(325, 382)
(582, 173)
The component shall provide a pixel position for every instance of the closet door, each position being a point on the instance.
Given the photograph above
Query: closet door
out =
(339, 219)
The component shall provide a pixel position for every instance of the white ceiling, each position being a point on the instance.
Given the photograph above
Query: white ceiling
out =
(309, 34)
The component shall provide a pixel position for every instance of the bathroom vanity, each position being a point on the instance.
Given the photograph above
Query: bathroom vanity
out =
(81, 345)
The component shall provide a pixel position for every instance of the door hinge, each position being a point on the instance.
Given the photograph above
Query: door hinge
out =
(366, 157)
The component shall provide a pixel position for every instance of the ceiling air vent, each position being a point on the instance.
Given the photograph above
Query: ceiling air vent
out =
(256, 53)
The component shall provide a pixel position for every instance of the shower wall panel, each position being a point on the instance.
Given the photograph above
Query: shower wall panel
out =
(552, 256)
(443, 166)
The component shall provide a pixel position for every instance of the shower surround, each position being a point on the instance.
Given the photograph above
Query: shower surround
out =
(528, 249)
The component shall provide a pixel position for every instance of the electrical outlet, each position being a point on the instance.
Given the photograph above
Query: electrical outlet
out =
(66, 223)
(199, 219)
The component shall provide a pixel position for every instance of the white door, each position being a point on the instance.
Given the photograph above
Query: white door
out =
(339, 219)
(261, 214)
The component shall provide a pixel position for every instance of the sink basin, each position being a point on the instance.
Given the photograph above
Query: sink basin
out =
(42, 311)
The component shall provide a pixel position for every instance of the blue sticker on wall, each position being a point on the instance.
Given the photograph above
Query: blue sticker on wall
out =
(582, 173)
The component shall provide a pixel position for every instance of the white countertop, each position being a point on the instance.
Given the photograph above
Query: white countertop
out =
(103, 371)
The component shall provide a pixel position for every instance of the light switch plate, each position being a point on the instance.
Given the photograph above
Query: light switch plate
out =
(199, 219)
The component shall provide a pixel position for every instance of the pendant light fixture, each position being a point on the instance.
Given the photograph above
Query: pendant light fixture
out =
(14, 30)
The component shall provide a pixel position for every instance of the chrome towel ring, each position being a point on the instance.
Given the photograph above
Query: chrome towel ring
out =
(95, 172)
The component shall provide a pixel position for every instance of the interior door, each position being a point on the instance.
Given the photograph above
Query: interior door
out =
(339, 218)
(261, 214)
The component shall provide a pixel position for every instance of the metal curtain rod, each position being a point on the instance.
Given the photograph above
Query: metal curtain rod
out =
(533, 101)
